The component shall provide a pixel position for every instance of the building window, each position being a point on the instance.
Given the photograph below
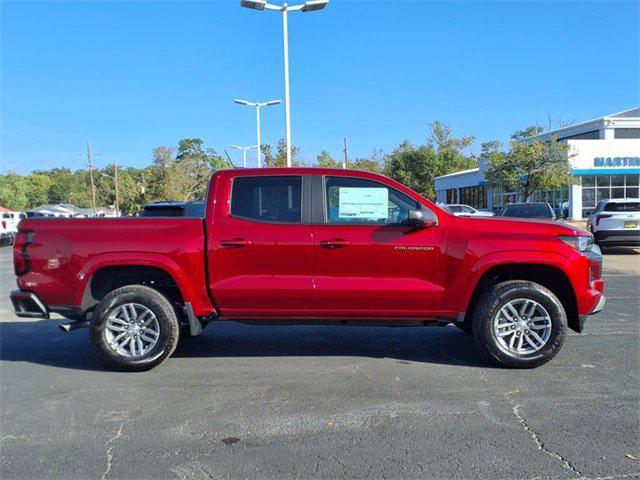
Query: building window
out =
(452, 196)
(593, 135)
(626, 133)
(475, 197)
(558, 198)
(501, 198)
(603, 187)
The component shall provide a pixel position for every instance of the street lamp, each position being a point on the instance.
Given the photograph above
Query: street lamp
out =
(257, 105)
(308, 6)
(244, 153)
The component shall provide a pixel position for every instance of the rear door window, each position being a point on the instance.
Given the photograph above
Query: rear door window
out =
(273, 199)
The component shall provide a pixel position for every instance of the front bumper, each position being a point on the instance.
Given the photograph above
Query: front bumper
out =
(28, 305)
(598, 307)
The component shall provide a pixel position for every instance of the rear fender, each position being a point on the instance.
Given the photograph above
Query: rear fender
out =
(194, 294)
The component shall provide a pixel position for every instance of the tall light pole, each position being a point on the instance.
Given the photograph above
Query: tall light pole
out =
(258, 105)
(308, 6)
(244, 153)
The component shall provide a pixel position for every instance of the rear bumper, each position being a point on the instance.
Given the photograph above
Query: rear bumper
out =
(28, 305)
(621, 238)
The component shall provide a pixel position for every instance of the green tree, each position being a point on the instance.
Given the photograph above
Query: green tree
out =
(325, 160)
(62, 184)
(413, 167)
(528, 165)
(13, 192)
(38, 187)
(417, 167)
(279, 157)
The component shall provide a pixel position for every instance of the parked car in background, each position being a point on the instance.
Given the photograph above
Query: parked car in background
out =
(562, 210)
(10, 220)
(9, 226)
(6, 238)
(537, 210)
(174, 209)
(461, 210)
(309, 245)
(616, 222)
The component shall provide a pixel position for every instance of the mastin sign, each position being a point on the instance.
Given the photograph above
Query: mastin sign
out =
(616, 162)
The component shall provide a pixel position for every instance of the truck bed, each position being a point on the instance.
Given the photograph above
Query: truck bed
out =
(65, 254)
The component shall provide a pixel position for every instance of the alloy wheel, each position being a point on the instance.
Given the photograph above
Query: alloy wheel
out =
(522, 326)
(132, 330)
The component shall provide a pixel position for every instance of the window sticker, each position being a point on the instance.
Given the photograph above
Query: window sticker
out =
(363, 203)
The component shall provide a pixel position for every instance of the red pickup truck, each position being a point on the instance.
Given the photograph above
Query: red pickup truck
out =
(309, 245)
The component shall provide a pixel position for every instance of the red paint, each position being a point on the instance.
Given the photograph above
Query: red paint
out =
(246, 269)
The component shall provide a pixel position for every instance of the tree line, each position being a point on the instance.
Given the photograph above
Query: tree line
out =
(182, 173)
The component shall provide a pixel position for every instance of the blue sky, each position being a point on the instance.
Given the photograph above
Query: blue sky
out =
(129, 76)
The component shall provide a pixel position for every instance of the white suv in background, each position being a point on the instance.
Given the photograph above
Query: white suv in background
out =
(616, 223)
(9, 226)
(461, 210)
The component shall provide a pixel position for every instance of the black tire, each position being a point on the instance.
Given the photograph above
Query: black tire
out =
(164, 313)
(489, 306)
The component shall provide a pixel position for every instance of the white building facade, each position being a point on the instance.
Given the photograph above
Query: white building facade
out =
(604, 159)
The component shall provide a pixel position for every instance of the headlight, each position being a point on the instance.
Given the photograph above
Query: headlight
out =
(582, 243)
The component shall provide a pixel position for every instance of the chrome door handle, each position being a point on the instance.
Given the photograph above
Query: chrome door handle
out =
(235, 243)
(335, 243)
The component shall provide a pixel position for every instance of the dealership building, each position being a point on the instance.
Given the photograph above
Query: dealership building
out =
(604, 159)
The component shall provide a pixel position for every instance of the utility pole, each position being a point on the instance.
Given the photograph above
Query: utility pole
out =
(345, 163)
(93, 185)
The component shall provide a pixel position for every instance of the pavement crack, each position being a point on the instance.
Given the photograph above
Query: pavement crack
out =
(110, 445)
(536, 436)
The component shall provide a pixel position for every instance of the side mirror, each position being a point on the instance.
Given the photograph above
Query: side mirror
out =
(418, 219)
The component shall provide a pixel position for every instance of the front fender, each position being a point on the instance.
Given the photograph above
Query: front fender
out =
(471, 269)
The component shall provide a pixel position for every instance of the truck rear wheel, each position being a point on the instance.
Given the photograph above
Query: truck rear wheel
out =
(519, 324)
(134, 328)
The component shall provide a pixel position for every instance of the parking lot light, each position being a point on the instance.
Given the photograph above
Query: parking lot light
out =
(257, 105)
(309, 6)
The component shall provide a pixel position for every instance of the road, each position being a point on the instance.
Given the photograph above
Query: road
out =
(325, 402)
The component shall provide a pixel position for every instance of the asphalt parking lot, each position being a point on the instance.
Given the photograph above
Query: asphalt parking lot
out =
(325, 402)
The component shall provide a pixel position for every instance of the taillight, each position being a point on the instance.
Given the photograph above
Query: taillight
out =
(21, 261)
(4, 224)
(601, 216)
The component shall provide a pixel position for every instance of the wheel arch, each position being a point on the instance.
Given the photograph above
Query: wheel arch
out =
(550, 276)
(103, 275)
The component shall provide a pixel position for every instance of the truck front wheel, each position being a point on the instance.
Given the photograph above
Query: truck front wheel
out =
(134, 328)
(519, 324)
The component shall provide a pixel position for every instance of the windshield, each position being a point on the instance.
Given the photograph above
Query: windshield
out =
(622, 207)
(531, 210)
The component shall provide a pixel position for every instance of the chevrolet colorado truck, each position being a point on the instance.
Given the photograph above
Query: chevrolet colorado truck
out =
(309, 245)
